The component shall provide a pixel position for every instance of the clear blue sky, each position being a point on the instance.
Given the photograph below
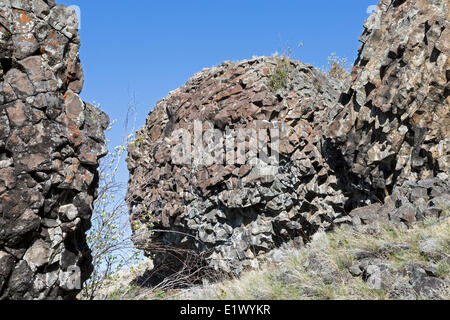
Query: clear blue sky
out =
(151, 47)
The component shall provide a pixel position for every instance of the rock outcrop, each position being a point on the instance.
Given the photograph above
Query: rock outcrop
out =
(237, 209)
(50, 145)
(410, 203)
(395, 122)
(324, 150)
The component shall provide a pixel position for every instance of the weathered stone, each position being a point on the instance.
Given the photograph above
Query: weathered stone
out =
(374, 280)
(12, 233)
(355, 270)
(423, 281)
(242, 190)
(26, 45)
(69, 212)
(37, 255)
(42, 166)
(406, 213)
(20, 281)
(6, 266)
(431, 248)
(368, 215)
(20, 83)
(395, 123)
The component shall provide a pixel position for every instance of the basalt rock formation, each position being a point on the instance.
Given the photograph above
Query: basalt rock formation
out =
(395, 121)
(340, 151)
(50, 145)
(232, 208)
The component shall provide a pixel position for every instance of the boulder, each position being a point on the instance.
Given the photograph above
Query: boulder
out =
(236, 163)
(249, 156)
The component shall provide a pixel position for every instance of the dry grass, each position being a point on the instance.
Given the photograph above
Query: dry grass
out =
(321, 269)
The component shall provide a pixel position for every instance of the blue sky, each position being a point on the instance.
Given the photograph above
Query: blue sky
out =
(149, 48)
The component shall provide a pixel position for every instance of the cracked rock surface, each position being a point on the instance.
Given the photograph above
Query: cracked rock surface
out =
(229, 208)
(395, 122)
(50, 145)
(346, 153)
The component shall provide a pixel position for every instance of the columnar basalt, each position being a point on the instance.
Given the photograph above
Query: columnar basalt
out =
(395, 122)
(235, 210)
(338, 152)
(50, 145)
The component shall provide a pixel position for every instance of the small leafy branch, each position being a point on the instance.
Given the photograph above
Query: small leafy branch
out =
(109, 237)
(137, 142)
(144, 223)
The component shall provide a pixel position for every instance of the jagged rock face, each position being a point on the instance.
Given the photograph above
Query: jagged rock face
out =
(337, 152)
(237, 210)
(409, 203)
(395, 125)
(50, 145)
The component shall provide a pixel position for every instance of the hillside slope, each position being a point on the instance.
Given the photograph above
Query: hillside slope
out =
(377, 262)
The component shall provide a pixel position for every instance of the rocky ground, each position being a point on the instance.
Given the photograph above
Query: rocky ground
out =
(399, 250)
(350, 264)
(380, 262)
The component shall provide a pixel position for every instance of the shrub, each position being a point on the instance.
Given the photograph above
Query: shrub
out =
(110, 235)
(280, 74)
(338, 68)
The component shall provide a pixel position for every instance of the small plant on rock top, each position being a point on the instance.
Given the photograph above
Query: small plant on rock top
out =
(338, 68)
(280, 74)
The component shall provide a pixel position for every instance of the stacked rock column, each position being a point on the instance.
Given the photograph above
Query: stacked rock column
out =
(232, 211)
(50, 146)
(395, 125)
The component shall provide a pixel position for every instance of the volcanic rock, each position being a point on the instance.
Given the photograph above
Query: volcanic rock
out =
(214, 202)
(50, 145)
